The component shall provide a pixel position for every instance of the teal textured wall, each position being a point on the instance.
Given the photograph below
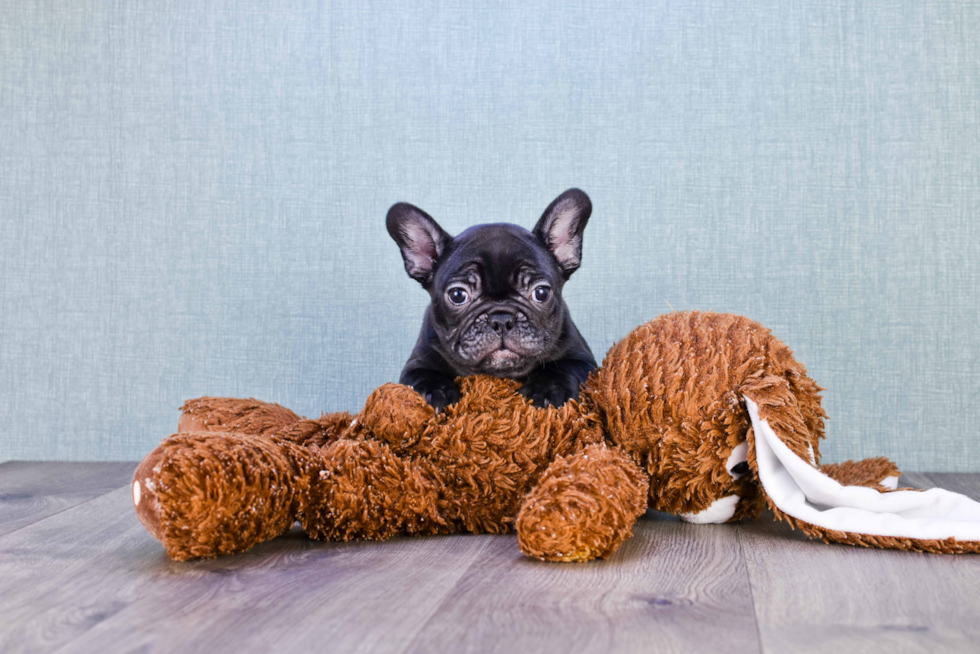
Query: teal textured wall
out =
(192, 196)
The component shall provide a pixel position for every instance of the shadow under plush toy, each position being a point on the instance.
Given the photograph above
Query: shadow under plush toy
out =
(703, 415)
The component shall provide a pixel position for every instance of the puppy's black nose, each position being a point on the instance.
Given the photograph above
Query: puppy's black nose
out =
(501, 322)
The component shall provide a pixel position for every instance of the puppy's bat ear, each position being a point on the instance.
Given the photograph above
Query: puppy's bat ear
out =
(420, 238)
(561, 226)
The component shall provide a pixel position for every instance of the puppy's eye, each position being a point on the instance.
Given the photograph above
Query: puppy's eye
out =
(457, 295)
(542, 293)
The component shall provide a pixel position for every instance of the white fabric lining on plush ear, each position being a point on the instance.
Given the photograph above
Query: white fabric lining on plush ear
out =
(802, 491)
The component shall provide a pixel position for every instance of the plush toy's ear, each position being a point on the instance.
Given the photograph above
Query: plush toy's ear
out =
(420, 238)
(560, 228)
(799, 492)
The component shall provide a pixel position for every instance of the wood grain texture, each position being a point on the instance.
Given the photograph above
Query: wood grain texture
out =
(91, 578)
(673, 587)
(959, 482)
(32, 490)
(293, 595)
(62, 575)
(814, 597)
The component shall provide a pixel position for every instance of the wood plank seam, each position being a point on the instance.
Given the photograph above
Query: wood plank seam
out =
(67, 508)
(449, 591)
(748, 579)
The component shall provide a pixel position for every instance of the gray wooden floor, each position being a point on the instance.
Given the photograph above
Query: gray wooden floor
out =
(78, 573)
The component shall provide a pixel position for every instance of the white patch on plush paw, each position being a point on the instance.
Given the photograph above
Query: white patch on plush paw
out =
(739, 455)
(721, 510)
(136, 493)
(891, 481)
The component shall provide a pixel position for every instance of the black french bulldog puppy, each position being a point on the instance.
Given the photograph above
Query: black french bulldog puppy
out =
(496, 302)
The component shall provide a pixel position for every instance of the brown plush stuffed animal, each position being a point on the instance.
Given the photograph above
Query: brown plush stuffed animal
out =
(704, 415)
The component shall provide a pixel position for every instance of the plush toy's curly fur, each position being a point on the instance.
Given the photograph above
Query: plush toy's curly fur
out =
(656, 425)
(246, 470)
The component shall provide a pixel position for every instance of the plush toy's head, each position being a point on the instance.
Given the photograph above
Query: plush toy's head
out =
(725, 420)
(670, 394)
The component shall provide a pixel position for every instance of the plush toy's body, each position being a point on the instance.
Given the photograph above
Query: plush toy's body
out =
(699, 414)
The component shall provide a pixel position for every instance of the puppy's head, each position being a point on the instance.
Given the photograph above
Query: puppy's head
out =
(496, 289)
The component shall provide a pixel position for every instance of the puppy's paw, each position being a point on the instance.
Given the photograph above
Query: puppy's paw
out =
(545, 389)
(439, 393)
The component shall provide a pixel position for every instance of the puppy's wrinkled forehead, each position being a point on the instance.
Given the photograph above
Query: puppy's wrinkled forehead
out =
(501, 254)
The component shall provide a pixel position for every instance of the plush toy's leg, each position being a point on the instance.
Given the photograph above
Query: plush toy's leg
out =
(205, 494)
(365, 490)
(229, 414)
(251, 416)
(583, 507)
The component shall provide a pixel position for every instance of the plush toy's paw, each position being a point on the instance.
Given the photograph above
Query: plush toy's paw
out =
(397, 415)
(583, 507)
(438, 392)
(546, 389)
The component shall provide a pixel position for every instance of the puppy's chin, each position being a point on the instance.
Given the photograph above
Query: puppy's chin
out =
(500, 362)
(503, 362)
